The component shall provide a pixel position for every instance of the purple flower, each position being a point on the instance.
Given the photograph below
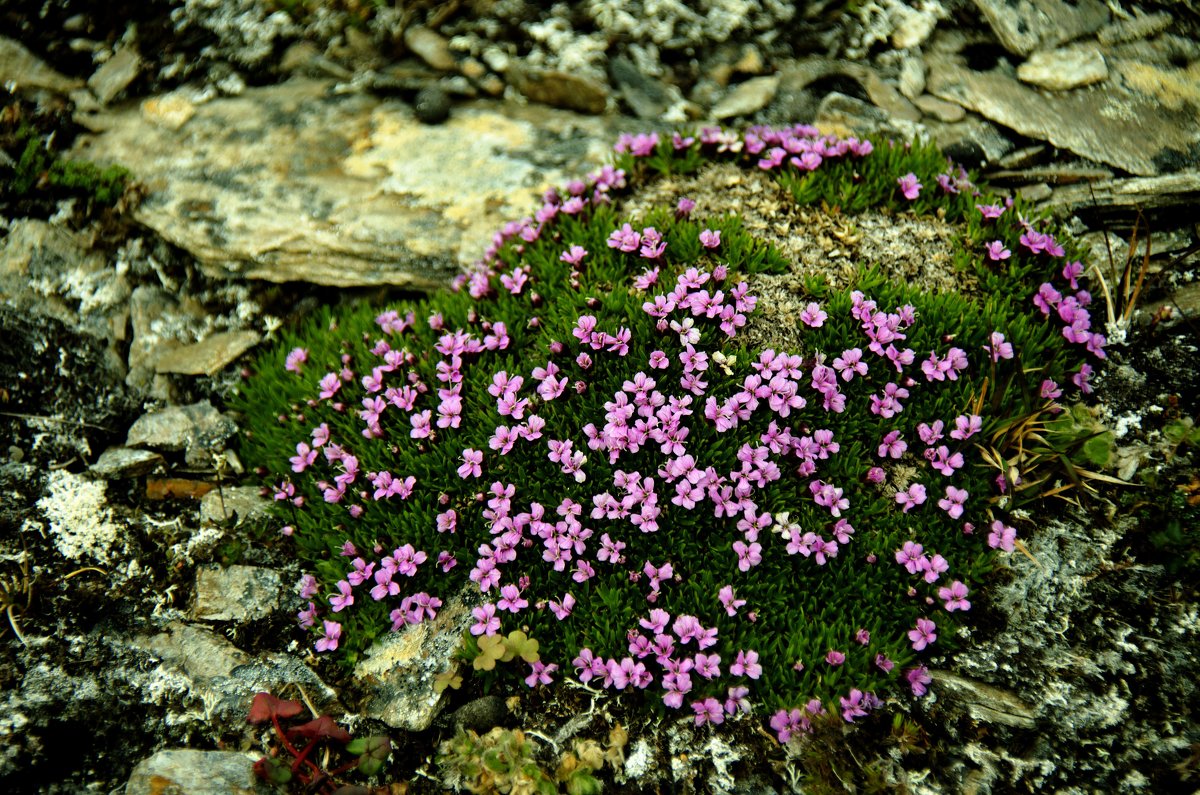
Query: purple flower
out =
(1002, 536)
(343, 599)
(955, 597)
(997, 252)
(295, 359)
(876, 475)
(562, 610)
(486, 620)
(746, 664)
(540, 673)
(923, 634)
(998, 347)
(709, 238)
(728, 598)
(472, 459)
(684, 208)
(1081, 379)
(913, 496)
(953, 502)
(813, 316)
(990, 212)
(892, 445)
(1050, 390)
(708, 711)
(333, 633)
(574, 255)
(918, 678)
(835, 657)
(909, 186)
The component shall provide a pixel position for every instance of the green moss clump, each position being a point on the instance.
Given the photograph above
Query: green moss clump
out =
(40, 168)
(427, 440)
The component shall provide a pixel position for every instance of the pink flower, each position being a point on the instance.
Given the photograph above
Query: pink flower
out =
(835, 657)
(728, 598)
(708, 711)
(923, 634)
(574, 255)
(540, 673)
(909, 186)
(1002, 536)
(918, 678)
(295, 359)
(486, 620)
(892, 445)
(710, 239)
(912, 497)
(998, 347)
(472, 459)
(953, 502)
(813, 316)
(340, 601)
(997, 252)
(333, 632)
(746, 664)
(955, 597)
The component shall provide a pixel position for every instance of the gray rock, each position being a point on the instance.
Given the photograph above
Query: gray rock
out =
(841, 114)
(236, 593)
(50, 270)
(746, 98)
(398, 671)
(913, 25)
(124, 462)
(209, 356)
(239, 503)
(198, 429)
(432, 105)
(1089, 123)
(115, 74)
(558, 89)
(1027, 25)
(972, 141)
(481, 714)
(647, 97)
(290, 183)
(940, 109)
(882, 94)
(1141, 26)
(223, 677)
(911, 79)
(431, 47)
(183, 771)
(25, 70)
(1063, 69)
(1177, 192)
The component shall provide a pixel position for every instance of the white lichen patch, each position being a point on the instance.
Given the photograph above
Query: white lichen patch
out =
(81, 523)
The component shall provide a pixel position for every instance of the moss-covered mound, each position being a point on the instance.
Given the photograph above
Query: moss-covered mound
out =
(633, 495)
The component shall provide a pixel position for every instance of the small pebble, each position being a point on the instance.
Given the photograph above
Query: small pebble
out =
(432, 106)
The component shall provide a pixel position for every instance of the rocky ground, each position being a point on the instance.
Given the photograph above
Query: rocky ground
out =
(280, 150)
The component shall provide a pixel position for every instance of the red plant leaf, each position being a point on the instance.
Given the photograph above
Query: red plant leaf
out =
(266, 706)
(322, 727)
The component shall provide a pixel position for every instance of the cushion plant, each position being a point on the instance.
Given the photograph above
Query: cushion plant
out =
(648, 478)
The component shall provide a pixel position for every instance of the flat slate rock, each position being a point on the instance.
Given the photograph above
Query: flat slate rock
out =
(236, 593)
(183, 771)
(125, 462)
(397, 673)
(209, 356)
(1059, 70)
(292, 182)
(197, 429)
(1023, 26)
(239, 503)
(25, 70)
(1108, 124)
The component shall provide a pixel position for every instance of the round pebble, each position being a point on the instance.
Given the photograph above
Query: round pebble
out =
(432, 106)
